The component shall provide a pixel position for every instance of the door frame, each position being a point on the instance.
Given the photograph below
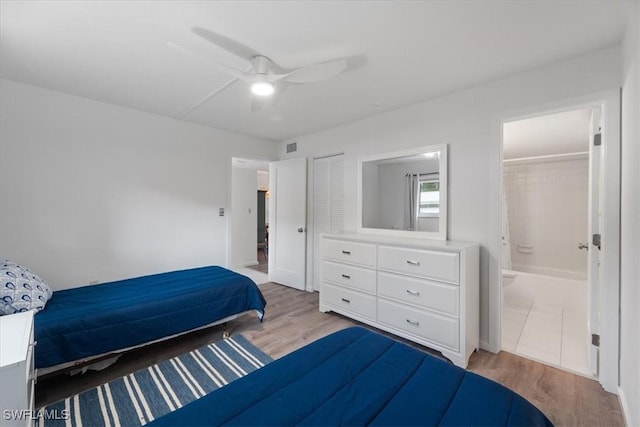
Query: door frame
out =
(228, 213)
(594, 224)
(610, 285)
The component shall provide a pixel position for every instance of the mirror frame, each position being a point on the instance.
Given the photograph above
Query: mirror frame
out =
(441, 234)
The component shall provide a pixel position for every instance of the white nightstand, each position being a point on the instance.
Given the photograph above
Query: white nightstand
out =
(17, 376)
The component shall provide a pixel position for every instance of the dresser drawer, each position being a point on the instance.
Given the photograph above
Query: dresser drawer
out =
(352, 301)
(430, 326)
(350, 276)
(353, 252)
(436, 296)
(443, 266)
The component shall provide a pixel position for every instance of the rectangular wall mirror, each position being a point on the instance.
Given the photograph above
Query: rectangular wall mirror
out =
(404, 193)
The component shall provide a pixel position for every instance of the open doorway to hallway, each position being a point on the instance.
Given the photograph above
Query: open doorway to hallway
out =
(263, 222)
(249, 218)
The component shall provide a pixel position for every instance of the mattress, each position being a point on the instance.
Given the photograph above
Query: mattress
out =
(90, 320)
(359, 377)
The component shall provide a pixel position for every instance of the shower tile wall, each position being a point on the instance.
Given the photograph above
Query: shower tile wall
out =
(547, 209)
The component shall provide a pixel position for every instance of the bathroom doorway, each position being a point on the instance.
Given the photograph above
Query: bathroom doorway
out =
(603, 272)
(546, 244)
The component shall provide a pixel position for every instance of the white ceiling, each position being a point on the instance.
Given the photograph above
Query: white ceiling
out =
(116, 52)
(552, 134)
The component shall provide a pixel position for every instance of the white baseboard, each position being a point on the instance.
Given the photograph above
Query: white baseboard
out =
(625, 407)
(485, 346)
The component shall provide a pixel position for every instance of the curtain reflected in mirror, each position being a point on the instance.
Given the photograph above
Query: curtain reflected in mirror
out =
(412, 193)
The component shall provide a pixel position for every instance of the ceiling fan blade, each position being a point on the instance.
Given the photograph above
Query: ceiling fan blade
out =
(317, 72)
(225, 68)
(182, 50)
(226, 43)
(325, 70)
(237, 48)
(278, 70)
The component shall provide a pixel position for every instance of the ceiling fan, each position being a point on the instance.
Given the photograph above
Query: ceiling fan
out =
(267, 78)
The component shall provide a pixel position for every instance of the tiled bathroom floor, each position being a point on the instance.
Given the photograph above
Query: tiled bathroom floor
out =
(544, 318)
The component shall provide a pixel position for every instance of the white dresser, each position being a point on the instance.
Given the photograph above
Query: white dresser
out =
(423, 290)
(17, 376)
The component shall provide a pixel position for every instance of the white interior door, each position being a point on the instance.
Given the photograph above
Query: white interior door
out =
(287, 222)
(594, 271)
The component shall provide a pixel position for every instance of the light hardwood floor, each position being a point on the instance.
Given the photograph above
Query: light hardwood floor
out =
(292, 320)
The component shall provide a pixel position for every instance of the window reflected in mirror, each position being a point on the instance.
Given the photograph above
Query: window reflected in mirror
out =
(429, 196)
(405, 192)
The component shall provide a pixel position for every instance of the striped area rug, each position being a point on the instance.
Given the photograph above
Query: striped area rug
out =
(143, 396)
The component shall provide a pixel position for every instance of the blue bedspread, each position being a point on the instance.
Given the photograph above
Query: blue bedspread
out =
(358, 377)
(91, 320)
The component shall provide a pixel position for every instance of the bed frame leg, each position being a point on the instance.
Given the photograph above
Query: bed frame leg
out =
(225, 333)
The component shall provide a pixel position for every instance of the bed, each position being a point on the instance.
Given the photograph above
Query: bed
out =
(358, 377)
(81, 323)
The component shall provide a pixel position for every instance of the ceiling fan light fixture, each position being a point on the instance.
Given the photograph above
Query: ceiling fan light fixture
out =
(262, 88)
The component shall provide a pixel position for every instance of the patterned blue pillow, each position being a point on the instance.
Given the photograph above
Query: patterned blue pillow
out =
(21, 290)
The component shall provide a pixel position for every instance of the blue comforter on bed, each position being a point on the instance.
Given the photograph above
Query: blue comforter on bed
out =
(358, 377)
(91, 320)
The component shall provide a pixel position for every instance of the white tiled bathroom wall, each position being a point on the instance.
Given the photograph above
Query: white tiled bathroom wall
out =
(547, 207)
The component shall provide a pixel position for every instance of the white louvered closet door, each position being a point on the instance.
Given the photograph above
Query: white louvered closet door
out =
(328, 210)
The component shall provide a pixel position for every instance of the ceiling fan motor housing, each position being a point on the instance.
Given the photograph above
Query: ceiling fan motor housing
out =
(261, 64)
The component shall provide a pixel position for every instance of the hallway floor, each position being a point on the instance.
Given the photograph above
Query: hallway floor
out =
(545, 319)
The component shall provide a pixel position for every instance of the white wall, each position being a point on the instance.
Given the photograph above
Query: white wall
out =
(547, 204)
(467, 122)
(392, 197)
(371, 196)
(93, 191)
(244, 217)
(263, 180)
(630, 222)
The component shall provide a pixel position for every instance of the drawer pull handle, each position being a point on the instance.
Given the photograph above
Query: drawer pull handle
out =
(345, 300)
(414, 293)
(413, 262)
(413, 322)
(346, 276)
(346, 252)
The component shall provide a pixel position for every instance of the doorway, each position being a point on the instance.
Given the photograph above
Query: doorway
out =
(249, 218)
(545, 214)
(263, 223)
(602, 297)
(285, 204)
